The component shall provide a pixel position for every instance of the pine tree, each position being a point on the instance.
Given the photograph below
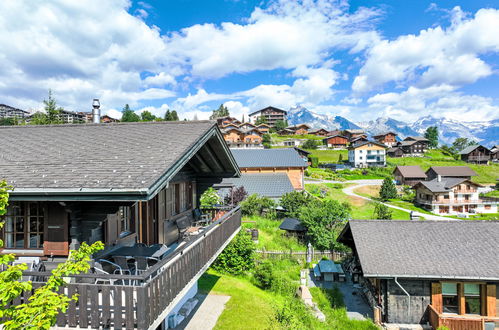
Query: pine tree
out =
(388, 189)
(51, 110)
(174, 116)
(432, 135)
(129, 115)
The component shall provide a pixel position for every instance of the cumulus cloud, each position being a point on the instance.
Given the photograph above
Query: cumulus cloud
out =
(435, 56)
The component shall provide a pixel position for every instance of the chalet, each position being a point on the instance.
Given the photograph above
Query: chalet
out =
(241, 138)
(367, 154)
(271, 115)
(494, 153)
(299, 129)
(453, 196)
(6, 111)
(264, 128)
(293, 227)
(107, 119)
(408, 175)
(444, 273)
(476, 154)
(394, 152)
(285, 160)
(286, 131)
(252, 136)
(358, 139)
(246, 126)
(354, 133)
(223, 121)
(413, 146)
(336, 141)
(389, 139)
(463, 172)
(123, 184)
(319, 132)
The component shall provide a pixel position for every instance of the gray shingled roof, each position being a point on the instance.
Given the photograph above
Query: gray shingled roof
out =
(411, 171)
(273, 158)
(111, 157)
(452, 170)
(469, 149)
(355, 146)
(426, 249)
(292, 224)
(272, 185)
(441, 186)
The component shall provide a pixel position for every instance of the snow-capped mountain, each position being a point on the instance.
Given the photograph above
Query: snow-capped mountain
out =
(301, 115)
(484, 132)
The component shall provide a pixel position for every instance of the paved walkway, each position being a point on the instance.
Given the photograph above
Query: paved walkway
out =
(350, 191)
(206, 314)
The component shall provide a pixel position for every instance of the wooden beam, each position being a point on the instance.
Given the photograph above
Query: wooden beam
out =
(200, 159)
(213, 156)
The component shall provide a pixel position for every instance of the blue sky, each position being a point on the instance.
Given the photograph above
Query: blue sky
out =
(359, 59)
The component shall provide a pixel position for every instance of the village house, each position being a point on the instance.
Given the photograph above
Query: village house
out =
(389, 139)
(66, 117)
(413, 146)
(271, 185)
(476, 154)
(394, 152)
(494, 153)
(285, 160)
(336, 141)
(263, 128)
(300, 129)
(6, 111)
(358, 139)
(241, 138)
(293, 227)
(354, 133)
(106, 119)
(133, 186)
(270, 114)
(224, 121)
(453, 196)
(246, 126)
(462, 172)
(319, 132)
(367, 154)
(408, 175)
(441, 273)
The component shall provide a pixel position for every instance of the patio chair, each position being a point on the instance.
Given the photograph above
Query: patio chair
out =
(33, 264)
(200, 218)
(99, 269)
(143, 263)
(124, 263)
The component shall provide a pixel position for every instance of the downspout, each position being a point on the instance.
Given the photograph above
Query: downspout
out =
(408, 298)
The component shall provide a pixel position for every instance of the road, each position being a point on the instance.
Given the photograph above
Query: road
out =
(360, 183)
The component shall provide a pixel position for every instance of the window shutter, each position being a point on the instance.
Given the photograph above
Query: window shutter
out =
(436, 296)
(491, 299)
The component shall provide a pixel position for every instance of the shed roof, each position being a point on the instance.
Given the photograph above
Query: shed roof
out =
(444, 185)
(411, 171)
(111, 159)
(292, 224)
(451, 249)
(270, 158)
(272, 185)
(452, 171)
(416, 138)
(327, 266)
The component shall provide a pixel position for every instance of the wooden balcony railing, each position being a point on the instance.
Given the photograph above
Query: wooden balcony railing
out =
(456, 201)
(142, 301)
(458, 322)
(479, 158)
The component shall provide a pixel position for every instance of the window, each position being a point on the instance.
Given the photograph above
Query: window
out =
(24, 225)
(449, 298)
(446, 196)
(488, 207)
(472, 298)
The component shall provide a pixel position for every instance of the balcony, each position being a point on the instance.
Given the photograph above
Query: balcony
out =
(456, 201)
(468, 322)
(478, 158)
(143, 301)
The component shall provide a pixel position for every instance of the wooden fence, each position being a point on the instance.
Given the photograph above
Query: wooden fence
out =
(140, 301)
(302, 255)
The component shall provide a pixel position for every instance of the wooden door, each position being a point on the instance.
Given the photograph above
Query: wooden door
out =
(56, 231)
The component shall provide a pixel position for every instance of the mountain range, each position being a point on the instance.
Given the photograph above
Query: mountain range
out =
(483, 132)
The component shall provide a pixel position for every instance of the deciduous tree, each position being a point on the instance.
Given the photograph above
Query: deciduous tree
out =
(129, 115)
(381, 211)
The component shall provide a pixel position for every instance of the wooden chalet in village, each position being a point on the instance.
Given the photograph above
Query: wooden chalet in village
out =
(408, 175)
(476, 154)
(336, 141)
(319, 132)
(413, 146)
(285, 160)
(389, 139)
(133, 186)
(271, 115)
(462, 172)
(354, 133)
(437, 273)
(300, 129)
(494, 153)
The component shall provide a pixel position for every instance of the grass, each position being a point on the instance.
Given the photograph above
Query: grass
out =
(361, 208)
(330, 302)
(270, 237)
(279, 138)
(368, 191)
(484, 216)
(493, 193)
(329, 156)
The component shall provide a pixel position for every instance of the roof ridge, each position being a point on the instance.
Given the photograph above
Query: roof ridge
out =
(180, 122)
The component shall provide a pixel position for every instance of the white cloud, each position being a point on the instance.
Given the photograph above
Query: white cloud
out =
(435, 56)
(160, 79)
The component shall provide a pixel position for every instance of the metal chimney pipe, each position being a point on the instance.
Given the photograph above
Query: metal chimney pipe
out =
(96, 111)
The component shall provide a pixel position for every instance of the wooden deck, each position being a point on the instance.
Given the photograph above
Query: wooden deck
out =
(143, 301)
(459, 322)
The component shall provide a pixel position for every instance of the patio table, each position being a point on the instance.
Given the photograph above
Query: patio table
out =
(134, 251)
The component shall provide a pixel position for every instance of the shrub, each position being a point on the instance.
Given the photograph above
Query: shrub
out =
(237, 257)
(209, 198)
(292, 202)
(381, 211)
(264, 275)
(314, 161)
(257, 205)
(408, 194)
(310, 144)
(388, 190)
(235, 196)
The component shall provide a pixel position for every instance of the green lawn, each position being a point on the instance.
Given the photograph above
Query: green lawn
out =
(329, 156)
(275, 138)
(493, 193)
(270, 237)
(361, 208)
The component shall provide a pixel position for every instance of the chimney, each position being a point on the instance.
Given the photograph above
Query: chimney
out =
(439, 178)
(96, 111)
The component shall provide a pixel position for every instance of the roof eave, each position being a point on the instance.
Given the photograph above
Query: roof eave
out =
(453, 277)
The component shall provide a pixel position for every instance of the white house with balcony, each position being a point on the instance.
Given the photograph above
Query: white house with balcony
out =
(367, 154)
